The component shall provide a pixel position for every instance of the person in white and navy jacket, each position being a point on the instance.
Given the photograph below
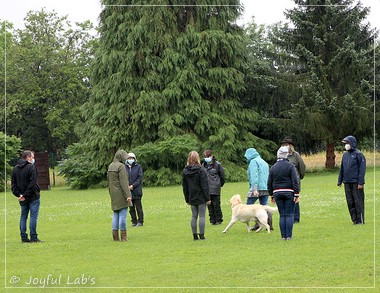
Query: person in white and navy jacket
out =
(283, 187)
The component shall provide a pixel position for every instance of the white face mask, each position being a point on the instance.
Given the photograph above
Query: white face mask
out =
(347, 146)
(208, 160)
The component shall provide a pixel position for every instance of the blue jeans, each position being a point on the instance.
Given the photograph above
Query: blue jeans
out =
(285, 205)
(263, 200)
(119, 219)
(33, 207)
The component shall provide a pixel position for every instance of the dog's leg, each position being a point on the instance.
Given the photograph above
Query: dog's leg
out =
(233, 221)
(259, 229)
(266, 226)
(249, 227)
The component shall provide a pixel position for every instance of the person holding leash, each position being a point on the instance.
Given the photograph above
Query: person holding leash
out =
(351, 174)
(195, 190)
(258, 171)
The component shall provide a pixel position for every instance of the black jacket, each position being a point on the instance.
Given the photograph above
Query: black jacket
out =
(283, 175)
(353, 166)
(195, 185)
(135, 176)
(215, 175)
(24, 181)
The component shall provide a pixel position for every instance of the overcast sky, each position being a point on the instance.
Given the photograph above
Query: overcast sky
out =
(265, 11)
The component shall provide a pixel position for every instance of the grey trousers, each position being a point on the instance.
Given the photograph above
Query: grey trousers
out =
(198, 211)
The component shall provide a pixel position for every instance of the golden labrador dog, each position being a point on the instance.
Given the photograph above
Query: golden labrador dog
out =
(247, 213)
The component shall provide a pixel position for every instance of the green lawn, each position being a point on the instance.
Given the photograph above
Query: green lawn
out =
(327, 251)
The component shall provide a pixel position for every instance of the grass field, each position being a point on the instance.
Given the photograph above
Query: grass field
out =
(316, 162)
(327, 253)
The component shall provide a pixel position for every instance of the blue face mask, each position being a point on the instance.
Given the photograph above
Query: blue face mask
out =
(130, 162)
(208, 160)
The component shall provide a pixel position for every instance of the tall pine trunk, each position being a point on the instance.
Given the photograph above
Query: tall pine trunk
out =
(330, 156)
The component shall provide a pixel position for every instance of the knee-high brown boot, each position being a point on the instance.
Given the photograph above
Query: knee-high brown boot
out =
(115, 235)
(123, 235)
(270, 223)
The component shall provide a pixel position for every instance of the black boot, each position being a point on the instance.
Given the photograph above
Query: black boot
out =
(202, 237)
(270, 223)
(195, 236)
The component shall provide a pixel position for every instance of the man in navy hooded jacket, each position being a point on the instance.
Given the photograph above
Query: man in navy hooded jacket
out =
(352, 173)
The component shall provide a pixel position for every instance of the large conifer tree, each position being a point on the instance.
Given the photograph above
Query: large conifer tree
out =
(172, 69)
(331, 47)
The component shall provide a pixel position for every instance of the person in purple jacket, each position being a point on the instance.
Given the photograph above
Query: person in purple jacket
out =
(352, 173)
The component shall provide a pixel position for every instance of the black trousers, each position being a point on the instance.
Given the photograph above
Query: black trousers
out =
(214, 209)
(136, 212)
(355, 202)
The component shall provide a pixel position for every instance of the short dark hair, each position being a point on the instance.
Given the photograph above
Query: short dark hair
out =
(207, 153)
(26, 153)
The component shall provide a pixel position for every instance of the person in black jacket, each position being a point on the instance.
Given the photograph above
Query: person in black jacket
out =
(135, 176)
(352, 173)
(215, 175)
(195, 190)
(25, 188)
(283, 187)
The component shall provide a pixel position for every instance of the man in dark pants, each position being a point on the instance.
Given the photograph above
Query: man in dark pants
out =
(352, 173)
(25, 188)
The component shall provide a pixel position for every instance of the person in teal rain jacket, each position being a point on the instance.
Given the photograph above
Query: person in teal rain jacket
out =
(258, 172)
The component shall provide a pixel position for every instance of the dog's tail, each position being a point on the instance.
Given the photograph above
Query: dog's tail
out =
(270, 209)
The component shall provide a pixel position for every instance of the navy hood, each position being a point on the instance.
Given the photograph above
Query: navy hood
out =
(350, 140)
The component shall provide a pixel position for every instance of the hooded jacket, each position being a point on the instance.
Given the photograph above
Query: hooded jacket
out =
(24, 181)
(353, 165)
(195, 185)
(118, 184)
(215, 175)
(258, 170)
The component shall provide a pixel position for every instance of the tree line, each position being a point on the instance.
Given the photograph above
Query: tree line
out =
(163, 80)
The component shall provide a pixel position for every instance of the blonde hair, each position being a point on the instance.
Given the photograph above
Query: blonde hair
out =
(193, 158)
